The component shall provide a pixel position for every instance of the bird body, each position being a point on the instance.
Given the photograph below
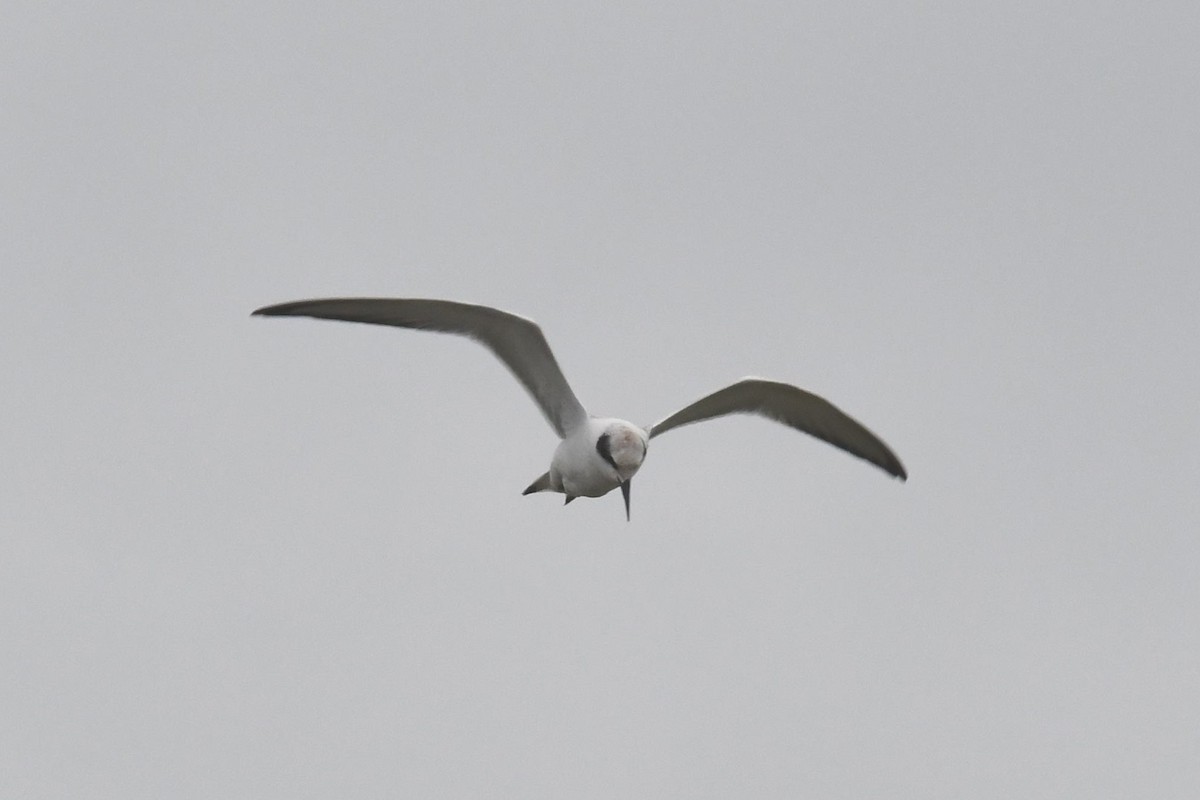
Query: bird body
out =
(596, 455)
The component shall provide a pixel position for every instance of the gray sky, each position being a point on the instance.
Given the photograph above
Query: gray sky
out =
(289, 558)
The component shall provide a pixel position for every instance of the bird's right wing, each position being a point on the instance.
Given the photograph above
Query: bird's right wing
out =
(516, 341)
(795, 408)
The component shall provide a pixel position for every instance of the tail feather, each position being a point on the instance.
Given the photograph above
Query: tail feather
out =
(542, 484)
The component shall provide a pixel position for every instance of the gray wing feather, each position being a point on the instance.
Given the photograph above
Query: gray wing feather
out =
(795, 408)
(516, 341)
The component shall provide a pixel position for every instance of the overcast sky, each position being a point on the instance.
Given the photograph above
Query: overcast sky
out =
(264, 558)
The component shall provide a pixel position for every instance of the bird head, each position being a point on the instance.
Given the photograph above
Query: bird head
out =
(623, 446)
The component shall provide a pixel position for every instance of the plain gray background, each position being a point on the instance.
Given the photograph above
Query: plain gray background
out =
(248, 558)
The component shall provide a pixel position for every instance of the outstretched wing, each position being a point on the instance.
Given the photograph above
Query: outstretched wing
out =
(516, 341)
(795, 408)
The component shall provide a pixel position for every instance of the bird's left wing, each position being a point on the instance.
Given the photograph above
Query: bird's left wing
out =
(795, 408)
(516, 341)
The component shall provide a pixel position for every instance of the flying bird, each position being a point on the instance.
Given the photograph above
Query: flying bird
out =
(596, 454)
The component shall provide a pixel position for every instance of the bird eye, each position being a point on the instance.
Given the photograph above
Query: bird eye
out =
(604, 448)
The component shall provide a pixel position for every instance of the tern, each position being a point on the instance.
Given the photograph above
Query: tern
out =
(596, 454)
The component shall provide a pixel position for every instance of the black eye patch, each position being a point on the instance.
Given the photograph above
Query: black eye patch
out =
(604, 448)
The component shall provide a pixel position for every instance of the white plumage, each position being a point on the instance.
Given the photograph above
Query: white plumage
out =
(596, 455)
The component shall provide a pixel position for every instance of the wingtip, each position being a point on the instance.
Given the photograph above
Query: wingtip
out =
(267, 311)
(293, 308)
